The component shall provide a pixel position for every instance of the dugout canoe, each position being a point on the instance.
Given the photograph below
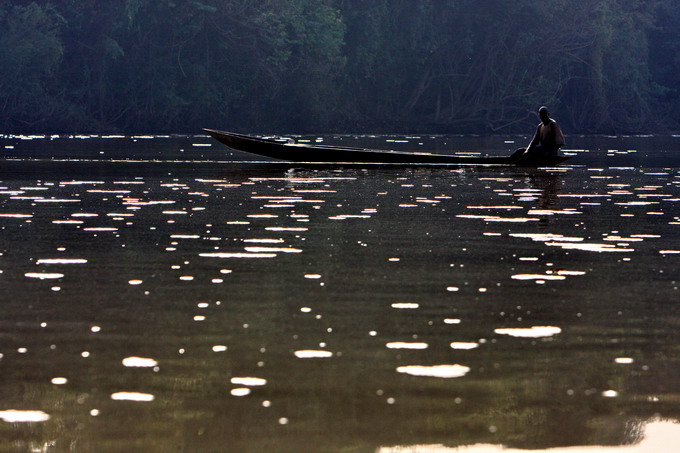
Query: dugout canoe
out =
(315, 153)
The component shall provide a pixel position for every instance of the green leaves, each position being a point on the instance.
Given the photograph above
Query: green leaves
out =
(430, 65)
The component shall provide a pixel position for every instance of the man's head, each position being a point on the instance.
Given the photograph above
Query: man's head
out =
(544, 114)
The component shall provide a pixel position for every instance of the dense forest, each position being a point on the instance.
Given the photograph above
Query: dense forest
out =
(469, 66)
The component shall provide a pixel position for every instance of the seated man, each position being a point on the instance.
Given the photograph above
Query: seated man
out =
(548, 138)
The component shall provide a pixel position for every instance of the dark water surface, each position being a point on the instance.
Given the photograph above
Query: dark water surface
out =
(161, 295)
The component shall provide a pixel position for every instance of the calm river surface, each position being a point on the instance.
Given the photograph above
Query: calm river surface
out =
(161, 294)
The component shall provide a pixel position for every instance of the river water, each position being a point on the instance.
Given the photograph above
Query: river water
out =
(163, 294)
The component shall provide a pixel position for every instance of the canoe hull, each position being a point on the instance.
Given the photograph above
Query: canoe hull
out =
(306, 153)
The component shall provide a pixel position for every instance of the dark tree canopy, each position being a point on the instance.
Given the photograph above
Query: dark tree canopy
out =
(603, 66)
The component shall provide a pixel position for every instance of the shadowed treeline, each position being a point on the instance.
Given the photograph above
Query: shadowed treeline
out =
(603, 66)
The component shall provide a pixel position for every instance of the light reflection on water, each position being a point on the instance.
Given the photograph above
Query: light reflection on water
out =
(410, 309)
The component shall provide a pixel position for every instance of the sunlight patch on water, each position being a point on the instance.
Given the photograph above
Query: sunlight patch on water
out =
(538, 277)
(349, 216)
(272, 250)
(496, 207)
(312, 354)
(438, 371)
(43, 275)
(132, 396)
(241, 391)
(139, 362)
(262, 216)
(531, 332)
(565, 272)
(237, 255)
(405, 305)
(589, 247)
(61, 261)
(623, 360)
(405, 345)
(464, 345)
(57, 200)
(17, 216)
(265, 241)
(545, 237)
(17, 416)
(552, 212)
(248, 381)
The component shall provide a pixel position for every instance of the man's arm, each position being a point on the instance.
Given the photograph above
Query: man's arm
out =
(535, 140)
(559, 136)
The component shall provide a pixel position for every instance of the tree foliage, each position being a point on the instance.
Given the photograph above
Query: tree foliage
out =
(338, 65)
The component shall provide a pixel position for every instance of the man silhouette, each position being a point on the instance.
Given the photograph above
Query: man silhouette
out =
(548, 138)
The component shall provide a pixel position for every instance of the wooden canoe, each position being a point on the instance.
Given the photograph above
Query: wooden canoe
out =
(308, 153)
